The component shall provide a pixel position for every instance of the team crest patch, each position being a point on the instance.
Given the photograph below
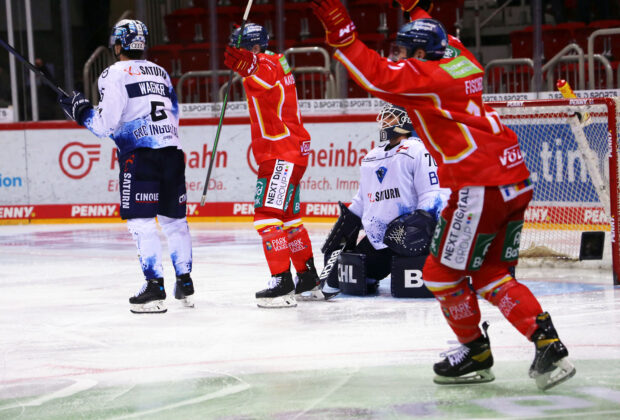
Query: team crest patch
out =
(381, 173)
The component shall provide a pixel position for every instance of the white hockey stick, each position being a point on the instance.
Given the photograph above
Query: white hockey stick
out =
(219, 125)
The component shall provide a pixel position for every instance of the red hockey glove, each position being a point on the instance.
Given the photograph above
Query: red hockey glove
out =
(340, 30)
(409, 5)
(242, 61)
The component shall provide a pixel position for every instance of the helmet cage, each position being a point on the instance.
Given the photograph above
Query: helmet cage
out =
(130, 34)
(393, 122)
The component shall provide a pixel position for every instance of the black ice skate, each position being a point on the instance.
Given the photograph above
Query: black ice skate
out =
(150, 299)
(308, 283)
(551, 365)
(469, 363)
(279, 293)
(184, 289)
(329, 292)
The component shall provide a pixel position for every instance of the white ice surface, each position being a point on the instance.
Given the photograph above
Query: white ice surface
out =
(66, 330)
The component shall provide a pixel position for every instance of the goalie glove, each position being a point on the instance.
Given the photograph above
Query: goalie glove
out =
(76, 106)
(410, 234)
(340, 30)
(241, 61)
(409, 5)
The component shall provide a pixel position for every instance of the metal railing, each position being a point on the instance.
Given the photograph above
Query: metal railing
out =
(326, 83)
(94, 66)
(578, 80)
(510, 77)
(591, 55)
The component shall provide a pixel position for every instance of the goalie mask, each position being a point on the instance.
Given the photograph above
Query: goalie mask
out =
(130, 34)
(393, 122)
(427, 34)
(252, 34)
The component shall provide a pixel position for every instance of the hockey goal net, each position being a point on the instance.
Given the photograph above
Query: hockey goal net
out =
(571, 150)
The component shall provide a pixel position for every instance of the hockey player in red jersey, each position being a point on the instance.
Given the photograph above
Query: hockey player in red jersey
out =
(281, 146)
(439, 82)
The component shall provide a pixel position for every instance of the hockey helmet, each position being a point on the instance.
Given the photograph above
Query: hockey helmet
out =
(393, 122)
(427, 34)
(252, 34)
(130, 34)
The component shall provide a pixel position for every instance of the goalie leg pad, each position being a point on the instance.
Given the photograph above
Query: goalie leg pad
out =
(352, 273)
(345, 229)
(407, 279)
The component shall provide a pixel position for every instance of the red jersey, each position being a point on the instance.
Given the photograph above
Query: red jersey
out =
(277, 130)
(444, 101)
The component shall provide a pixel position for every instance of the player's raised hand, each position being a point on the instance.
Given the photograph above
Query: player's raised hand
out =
(409, 5)
(242, 61)
(340, 30)
(75, 106)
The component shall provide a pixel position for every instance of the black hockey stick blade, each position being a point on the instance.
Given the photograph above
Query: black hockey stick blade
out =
(224, 103)
(32, 68)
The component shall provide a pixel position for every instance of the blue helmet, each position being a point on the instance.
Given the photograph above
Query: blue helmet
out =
(252, 34)
(427, 34)
(130, 34)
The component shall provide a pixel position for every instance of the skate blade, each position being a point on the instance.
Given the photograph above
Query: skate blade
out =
(478, 377)
(286, 301)
(564, 371)
(153, 307)
(187, 302)
(314, 294)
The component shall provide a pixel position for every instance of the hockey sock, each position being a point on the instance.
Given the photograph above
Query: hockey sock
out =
(515, 301)
(179, 243)
(300, 246)
(459, 305)
(276, 250)
(144, 232)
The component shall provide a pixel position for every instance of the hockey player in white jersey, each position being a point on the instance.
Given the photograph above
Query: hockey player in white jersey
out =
(397, 204)
(138, 109)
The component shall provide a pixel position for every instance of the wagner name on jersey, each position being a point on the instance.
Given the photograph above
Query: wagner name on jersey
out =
(138, 107)
(396, 182)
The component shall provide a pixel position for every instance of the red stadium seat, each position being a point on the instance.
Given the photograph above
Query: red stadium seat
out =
(195, 57)
(166, 56)
(187, 25)
(559, 36)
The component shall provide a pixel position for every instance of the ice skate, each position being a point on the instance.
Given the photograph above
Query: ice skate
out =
(329, 292)
(308, 284)
(551, 365)
(279, 293)
(468, 363)
(150, 299)
(184, 289)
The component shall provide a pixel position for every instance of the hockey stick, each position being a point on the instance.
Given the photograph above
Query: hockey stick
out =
(34, 69)
(219, 124)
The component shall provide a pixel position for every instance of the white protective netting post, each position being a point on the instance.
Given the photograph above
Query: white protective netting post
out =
(570, 147)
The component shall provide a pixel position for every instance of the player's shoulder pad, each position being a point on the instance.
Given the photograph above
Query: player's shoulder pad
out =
(412, 146)
(375, 153)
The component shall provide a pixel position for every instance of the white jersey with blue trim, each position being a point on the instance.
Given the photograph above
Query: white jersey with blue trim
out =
(138, 107)
(395, 182)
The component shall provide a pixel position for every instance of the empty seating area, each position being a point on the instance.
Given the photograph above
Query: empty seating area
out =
(188, 40)
(192, 44)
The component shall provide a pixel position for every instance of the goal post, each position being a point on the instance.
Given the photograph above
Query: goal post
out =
(571, 149)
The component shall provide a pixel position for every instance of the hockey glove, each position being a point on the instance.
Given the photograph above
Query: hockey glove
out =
(410, 235)
(340, 30)
(409, 5)
(76, 106)
(242, 61)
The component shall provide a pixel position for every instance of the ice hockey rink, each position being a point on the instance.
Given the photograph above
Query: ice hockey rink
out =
(70, 348)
